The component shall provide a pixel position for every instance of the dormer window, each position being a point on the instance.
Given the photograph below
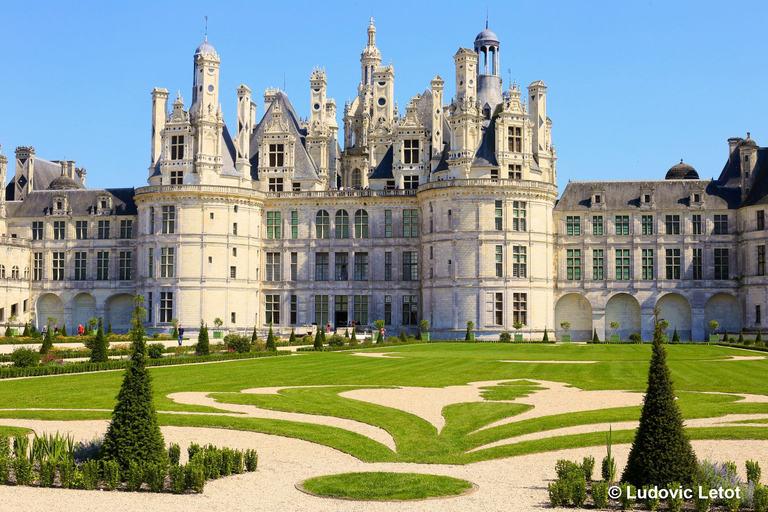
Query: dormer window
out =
(104, 204)
(598, 199)
(276, 155)
(647, 198)
(177, 147)
(696, 198)
(411, 151)
(60, 205)
(515, 139)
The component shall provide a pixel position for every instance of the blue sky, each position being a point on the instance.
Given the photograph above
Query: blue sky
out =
(633, 86)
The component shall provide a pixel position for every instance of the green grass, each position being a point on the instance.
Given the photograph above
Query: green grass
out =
(14, 431)
(386, 486)
(695, 368)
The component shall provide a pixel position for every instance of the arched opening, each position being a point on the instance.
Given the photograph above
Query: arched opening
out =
(49, 306)
(493, 60)
(726, 309)
(118, 311)
(676, 310)
(341, 220)
(577, 311)
(624, 309)
(83, 308)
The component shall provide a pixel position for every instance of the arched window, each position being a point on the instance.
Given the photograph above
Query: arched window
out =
(14, 272)
(2, 271)
(342, 224)
(322, 224)
(361, 224)
(357, 178)
(26, 273)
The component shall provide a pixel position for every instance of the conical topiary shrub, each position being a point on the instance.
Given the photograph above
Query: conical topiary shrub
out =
(545, 339)
(661, 452)
(27, 331)
(402, 336)
(726, 337)
(99, 351)
(319, 338)
(675, 336)
(47, 341)
(595, 339)
(133, 435)
(109, 330)
(353, 339)
(203, 345)
(271, 339)
(63, 331)
(254, 336)
(741, 337)
(759, 336)
(292, 339)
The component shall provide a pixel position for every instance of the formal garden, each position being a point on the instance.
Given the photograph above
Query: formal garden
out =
(393, 419)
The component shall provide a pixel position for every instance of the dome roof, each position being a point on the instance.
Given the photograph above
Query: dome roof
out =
(64, 183)
(681, 171)
(747, 142)
(487, 35)
(205, 49)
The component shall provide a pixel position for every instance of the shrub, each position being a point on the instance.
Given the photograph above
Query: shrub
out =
(307, 339)
(578, 490)
(336, 341)
(470, 326)
(701, 499)
(5, 447)
(99, 348)
(251, 460)
(608, 467)
(741, 336)
(559, 493)
(627, 498)
(505, 337)
(635, 337)
(90, 469)
(203, 345)
(24, 357)
(760, 498)
(178, 479)
(271, 339)
(111, 472)
(27, 331)
(759, 337)
(588, 466)
(47, 342)
(595, 339)
(353, 339)
(545, 339)
(5, 470)
(47, 473)
(193, 450)
(212, 462)
(292, 339)
(155, 476)
(675, 500)
(600, 494)
(22, 467)
(194, 477)
(67, 470)
(650, 503)
(566, 468)
(732, 503)
(675, 336)
(174, 454)
(753, 471)
(237, 343)
(156, 350)
(236, 461)
(155, 335)
(319, 338)
(134, 477)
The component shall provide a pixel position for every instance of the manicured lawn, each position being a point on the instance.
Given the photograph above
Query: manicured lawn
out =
(619, 367)
(386, 486)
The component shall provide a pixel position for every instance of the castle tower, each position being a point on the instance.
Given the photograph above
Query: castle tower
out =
(3, 169)
(25, 172)
(370, 59)
(318, 138)
(245, 115)
(437, 115)
(465, 61)
(159, 113)
(488, 79)
(205, 114)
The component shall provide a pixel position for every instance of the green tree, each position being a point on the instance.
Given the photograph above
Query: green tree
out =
(319, 338)
(133, 434)
(271, 339)
(99, 351)
(741, 336)
(47, 341)
(726, 338)
(354, 337)
(545, 339)
(470, 326)
(423, 327)
(379, 325)
(64, 330)
(565, 326)
(675, 336)
(175, 330)
(402, 336)
(109, 330)
(661, 452)
(759, 336)
(292, 339)
(595, 339)
(27, 331)
(203, 346)
(254, 336)
(615, 326)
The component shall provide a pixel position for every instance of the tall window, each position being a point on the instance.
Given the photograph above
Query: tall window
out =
(387, 266)
(58, 266)
(357, 178)
(321, 266)
(58, 230)
(519, 261)
(647, 264)
(294, 266)
(323, 224)
(646, 224)
(166, 307)
(151, 262)
(125, 265)
(102, 265)
(622, 264)
(761, 260)
(622, 224)
(273, 266)
(272, 309)
(294, 309)
(410, 223)
(388, 223)
(361, 224)
(126, 228)
(515, 139)
(673, 263)
(273, 225)
(341, 266)
(597, 264)
(81, 229)
(520, 308)
(361, 309)
(515, 171)
(387, 310)
(573, 264)
(498, 215)
(499, 254)
(495, 308)
(37, 230)
(294, 225)
(361, 266)
(696, 224)
(573, 225)
(721, 263)
(597, 225)
(342, 224)
(341, 307)
(411, 151)
(151, 220)
(672, 223)
(177, 147)
(760, 220)
(410, 266)
(410, 309)
(169, 219)
(758, 314)
(167, 261)
(80, 263)
(721, 225)
(276, 155)
(518, 215)
(37, 267)
(234, 228)
(410, 182)
(103, 230)
(321, 310)
(696, 263)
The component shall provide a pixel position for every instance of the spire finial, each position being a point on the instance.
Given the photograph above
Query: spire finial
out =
(748, 136)
(206, 28)
(486, 18)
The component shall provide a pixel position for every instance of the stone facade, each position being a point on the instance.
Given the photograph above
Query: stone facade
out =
(447, 212)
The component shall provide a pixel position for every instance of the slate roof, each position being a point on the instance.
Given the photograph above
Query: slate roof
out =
(383, 171)
(485, 156)
(758, 194)
(45, 172)
(81, 202)
(668, 195)
(228, 154)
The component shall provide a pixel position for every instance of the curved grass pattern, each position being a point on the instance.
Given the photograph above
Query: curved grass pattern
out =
(380, 486)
